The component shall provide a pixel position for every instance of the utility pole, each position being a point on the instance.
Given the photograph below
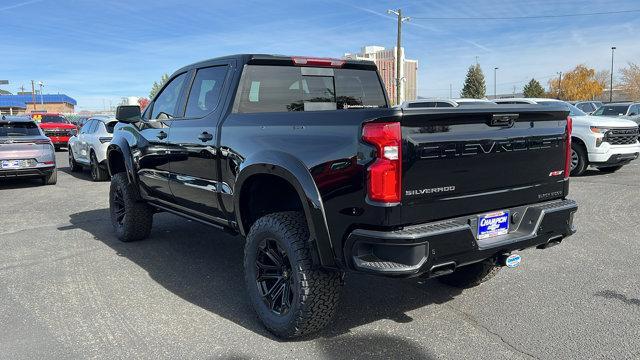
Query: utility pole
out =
(399, 67)
(450, 91)
(613, 48)
(495, 70)
(33, 94)
(560, 84)
(41, 96)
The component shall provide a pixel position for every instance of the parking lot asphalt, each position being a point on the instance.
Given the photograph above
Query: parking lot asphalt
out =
(70, 289)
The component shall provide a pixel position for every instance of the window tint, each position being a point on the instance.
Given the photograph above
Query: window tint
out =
(86, 127)
(285, 88)
(111, 126)
(19, 129)
(94, 126)
(612, 110)
(424, 104)
(205, 91)
(164, 106)
(54, 119)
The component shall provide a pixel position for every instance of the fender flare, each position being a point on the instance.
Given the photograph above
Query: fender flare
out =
(121, 146)
(295, 173)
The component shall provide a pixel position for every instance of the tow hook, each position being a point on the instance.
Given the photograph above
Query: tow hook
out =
(509, 260)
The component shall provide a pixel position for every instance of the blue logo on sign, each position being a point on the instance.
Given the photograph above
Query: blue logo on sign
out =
(493, 224)
(513, 260)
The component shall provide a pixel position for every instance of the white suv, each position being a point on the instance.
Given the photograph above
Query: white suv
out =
(89, 147)
(605, 143)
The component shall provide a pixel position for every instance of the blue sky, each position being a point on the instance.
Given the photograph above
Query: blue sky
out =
(99, 51)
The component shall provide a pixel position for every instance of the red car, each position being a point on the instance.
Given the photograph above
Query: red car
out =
(56, 127)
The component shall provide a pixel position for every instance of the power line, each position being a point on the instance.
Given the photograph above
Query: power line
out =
(527, 17)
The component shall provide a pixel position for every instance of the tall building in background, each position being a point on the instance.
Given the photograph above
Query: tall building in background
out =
(385, 59)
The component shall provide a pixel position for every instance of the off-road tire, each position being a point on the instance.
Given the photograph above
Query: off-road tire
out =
(471, 275)
(97, 173)
(315, 292)
(135, 221)
(578, 152)
(610, 169)
(50, 179)
(73, 165)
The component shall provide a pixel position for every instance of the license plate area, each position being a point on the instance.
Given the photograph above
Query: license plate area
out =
(15, 164)
(493, 224)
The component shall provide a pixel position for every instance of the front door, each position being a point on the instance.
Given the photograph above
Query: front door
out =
(153, 150)
(194, 167)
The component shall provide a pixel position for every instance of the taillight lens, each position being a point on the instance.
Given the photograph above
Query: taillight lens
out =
(384, 179)
(567, 164)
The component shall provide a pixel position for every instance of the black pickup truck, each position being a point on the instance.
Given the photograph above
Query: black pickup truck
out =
(305, 158)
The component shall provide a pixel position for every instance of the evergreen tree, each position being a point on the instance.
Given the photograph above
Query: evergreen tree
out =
(533, 89)
(157, 86)
(474, 86)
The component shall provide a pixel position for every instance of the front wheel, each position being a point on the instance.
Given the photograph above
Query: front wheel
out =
(131, 218)
(610, 169)
(291, 298)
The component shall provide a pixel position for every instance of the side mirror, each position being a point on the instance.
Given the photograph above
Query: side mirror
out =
(633, 114)
(129, 114)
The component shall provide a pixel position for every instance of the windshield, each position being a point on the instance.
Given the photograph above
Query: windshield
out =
(19, 129)
(56, 119)
(611, 110)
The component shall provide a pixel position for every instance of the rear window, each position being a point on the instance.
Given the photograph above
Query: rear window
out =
(286, 88)
(612, 110)
(19, 129)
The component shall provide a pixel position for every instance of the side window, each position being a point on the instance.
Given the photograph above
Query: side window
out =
(86, 127)
(635, 109)
(165, 104)
(205, 91)
(94, 126)
(443, 104)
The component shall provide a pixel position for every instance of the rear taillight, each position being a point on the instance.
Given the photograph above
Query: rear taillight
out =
(384, 178)
(567, 163)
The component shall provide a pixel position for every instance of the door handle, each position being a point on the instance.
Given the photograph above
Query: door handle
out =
(161, 135)
(205, 136)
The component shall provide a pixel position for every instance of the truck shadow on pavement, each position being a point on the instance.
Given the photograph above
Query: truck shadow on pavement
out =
(204, 266)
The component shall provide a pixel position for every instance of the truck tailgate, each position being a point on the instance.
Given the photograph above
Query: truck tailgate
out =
(481, 159)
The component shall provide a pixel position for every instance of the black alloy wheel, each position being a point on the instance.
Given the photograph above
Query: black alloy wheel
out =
(274, 277)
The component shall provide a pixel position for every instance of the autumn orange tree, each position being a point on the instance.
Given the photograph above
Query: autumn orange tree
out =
(630, 81)
(580, 83)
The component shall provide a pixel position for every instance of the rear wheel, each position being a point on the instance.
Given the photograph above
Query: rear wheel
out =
(471, 275)
(73, 165)
(50, 179)
(97, 173)
(291, 298)
(131, 218)
(579, 160)
(610, 169)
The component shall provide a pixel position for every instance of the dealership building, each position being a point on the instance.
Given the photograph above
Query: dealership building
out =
(24, 104)
(385, 60)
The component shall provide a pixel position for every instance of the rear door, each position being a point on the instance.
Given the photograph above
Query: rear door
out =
(194, 161)
(469, 160)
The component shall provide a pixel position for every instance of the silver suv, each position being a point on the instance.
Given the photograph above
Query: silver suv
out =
(25, 151)
(89, 147)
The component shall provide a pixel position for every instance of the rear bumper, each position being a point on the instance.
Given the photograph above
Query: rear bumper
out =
(431, 248)
(30, 172)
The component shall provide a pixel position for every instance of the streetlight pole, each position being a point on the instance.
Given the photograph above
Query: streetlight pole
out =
(560, 85)
(495, 70)
(613, 48)
(41, 96)
(399, 69)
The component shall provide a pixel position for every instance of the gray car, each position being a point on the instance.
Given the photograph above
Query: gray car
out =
(625, 110)
(25, 151)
